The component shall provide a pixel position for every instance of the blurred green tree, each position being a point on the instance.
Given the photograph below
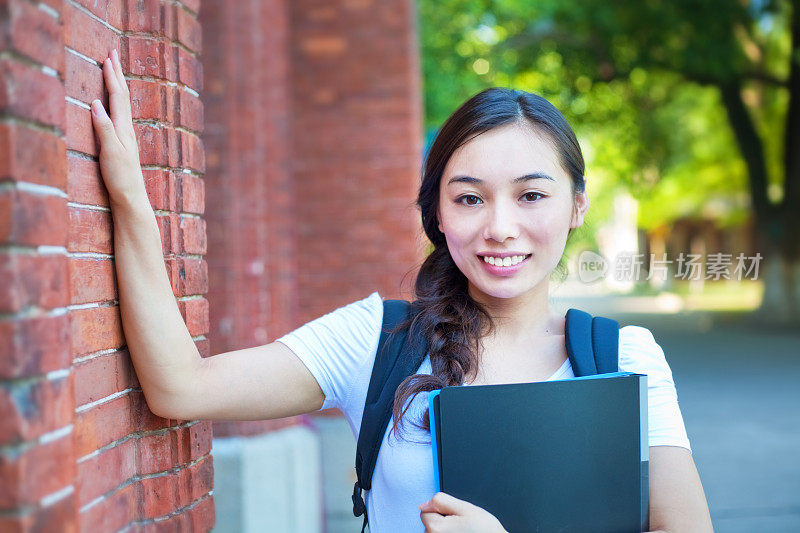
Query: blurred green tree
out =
(693, 105)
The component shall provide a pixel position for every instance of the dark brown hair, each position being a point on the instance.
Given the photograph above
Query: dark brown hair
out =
(446, 316)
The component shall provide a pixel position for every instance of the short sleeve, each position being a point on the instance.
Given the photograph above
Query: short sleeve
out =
(640, 353)
(336, 347)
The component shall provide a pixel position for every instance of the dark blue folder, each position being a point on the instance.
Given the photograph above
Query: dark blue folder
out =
(564, 455)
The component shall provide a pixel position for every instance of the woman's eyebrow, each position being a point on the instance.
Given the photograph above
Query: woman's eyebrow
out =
(526, 177)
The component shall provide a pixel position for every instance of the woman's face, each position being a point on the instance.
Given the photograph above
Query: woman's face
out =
(505, 207)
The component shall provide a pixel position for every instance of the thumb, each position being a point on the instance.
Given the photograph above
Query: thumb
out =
(103, 125)
(446, 504)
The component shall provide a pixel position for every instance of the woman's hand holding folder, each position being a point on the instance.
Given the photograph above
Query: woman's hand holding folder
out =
(444, 513)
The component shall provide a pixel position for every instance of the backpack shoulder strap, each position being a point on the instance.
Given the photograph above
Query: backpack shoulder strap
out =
(396, 358)
(592, 343)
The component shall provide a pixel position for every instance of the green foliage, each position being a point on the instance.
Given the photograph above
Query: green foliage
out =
(638, 81)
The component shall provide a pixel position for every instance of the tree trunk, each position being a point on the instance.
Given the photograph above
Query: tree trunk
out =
(780, 267)
(780, 274)
(781, 302)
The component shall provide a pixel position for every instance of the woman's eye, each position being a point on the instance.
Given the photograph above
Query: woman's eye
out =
(531, 196)
(469, 199)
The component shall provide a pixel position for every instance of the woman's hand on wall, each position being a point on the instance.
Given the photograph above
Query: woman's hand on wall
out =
(119, 153)
(444, 513)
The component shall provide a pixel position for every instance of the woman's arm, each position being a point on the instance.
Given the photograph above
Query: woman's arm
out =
(255, 383)
(160, 346)
(677, 500)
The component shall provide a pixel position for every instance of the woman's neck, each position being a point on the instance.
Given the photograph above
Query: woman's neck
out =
(524, 316)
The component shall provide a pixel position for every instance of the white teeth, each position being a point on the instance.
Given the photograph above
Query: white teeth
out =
(504, 261)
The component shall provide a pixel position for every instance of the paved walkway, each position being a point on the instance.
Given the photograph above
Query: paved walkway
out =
(739, 392)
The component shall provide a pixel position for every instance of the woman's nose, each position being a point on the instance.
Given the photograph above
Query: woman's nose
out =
(501, 223)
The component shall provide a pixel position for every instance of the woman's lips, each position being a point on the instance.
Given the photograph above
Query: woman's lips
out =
(499, 270)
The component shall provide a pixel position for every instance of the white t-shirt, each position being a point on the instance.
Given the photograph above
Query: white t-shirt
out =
(339, 350)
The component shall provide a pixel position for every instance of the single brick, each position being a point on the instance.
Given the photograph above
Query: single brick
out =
(109, 11)
(34, 345)
(192, 194)
(190, 115)
(203, 515)
(58, 516)
(158, 452)
(91, 280)
(34, 33)
(33, 279)
(173, 147)
(189, 31)
(27, 92)
(145, 16)
(153, 148)
(35, 472)
(112, 513)
(32, 408)
(169, 24)
(193, 273)
(103, 424)
(80, 130)
(192, 152)
(84, 182)
(190, 69)
(169, 231)
(201, 478)
(102, 376)
(149, 57)
(161, 188)
(45, 166)
(90, 230)
(160, 495)
(84, 80)
(199, 436)
(32, 219)
(149, 99)
(195, 315)
(193, 232)
(95, 328)
(87, 35)
(105, 471)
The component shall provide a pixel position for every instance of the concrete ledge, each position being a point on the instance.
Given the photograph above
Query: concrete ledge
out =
(270, 482)
(339, 473)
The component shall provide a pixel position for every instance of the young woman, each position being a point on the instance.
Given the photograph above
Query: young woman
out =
(502, 190)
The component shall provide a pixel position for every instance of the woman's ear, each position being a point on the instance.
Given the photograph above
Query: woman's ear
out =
(579, 208)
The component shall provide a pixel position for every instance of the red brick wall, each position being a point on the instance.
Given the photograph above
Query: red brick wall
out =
(313, 138)
(79, 450)
(251, 221)
(356, 152)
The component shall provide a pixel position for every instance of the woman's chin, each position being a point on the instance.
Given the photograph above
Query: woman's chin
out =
(496, 293)
(504, 289)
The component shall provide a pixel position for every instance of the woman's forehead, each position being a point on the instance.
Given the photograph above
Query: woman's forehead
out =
(505, 153)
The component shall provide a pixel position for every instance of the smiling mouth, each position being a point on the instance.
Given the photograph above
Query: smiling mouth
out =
(504, 261)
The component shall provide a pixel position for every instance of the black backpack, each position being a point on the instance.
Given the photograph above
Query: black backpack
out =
(592, 345)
